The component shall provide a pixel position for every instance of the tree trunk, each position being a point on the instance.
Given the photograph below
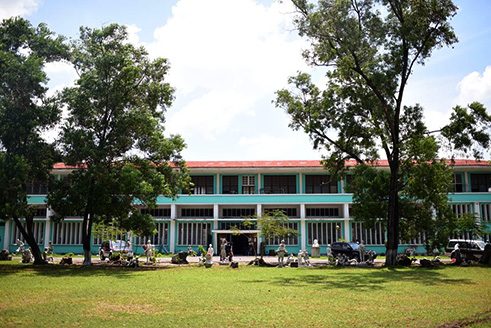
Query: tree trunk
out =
(393, 216)
(30, 240)
(86, 235)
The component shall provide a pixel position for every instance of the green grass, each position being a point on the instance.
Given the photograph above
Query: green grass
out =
(54, 296)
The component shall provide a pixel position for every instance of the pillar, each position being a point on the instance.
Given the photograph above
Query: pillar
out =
(347, 229)
(6, 239)
(172, 228)
(303, 234)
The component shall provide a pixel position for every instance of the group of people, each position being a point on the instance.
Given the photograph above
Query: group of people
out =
(226, 251)
(302, 256)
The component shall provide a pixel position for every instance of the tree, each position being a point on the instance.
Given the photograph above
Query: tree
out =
(114, 135)
(274, 224)
(25, 112)
(370, 48)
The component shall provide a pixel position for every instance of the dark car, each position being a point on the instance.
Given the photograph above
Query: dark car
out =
(351, 250)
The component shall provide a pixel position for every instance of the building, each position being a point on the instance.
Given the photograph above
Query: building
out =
(227, 191)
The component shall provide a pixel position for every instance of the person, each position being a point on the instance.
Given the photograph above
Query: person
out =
(223, 251)
(50, 248)
(281, 253)
(20, 246)
(210, 251)
(148, 248)
(230, 252)
(129, 248)
(251, 251)
(361, 250)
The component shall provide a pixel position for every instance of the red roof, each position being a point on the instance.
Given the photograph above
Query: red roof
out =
(292, 163)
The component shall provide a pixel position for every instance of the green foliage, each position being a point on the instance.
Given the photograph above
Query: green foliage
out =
(370, 49)
(275, 224)
(114, 134)
(467, 224)
(25, 112)
(469, 129)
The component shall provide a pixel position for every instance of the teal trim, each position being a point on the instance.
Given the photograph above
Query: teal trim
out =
(470, 197)
(280, 199)
(37, 199)
(257, 199)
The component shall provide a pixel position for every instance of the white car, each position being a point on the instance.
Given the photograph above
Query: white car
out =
(108, 247)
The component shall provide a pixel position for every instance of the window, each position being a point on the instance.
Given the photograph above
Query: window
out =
(348, 180)
(38, 230)
(202, 184)
(420, 239)
(480, 182)
(238, 212)
(193, 234)
(288, 211)
(40, 212)
(280, 184)
(461, 209)
(67, 233)
(486, 212)
(248, 184)
(369, 235)
(457, 185)
(157, 212)
(230, 184)
(227, 225)
(320, 184)
(322, 212)
(160, 238)
(290, 239)
(37, 188)
(197, 212)
(325, 232)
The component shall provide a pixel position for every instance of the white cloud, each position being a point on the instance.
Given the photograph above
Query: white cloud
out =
(61, 75)
(9, 8)
(133, 31)
(475, 87)
(227, 59)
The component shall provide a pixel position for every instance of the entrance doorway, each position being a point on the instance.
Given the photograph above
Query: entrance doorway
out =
(240, 242)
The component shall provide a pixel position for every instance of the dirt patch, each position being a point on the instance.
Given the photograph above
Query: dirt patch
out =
(482, 318)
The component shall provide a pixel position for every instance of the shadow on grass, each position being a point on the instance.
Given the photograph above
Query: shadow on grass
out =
(55, 270)
(369, 279)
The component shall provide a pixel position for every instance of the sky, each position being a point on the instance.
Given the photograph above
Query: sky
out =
(228, 57)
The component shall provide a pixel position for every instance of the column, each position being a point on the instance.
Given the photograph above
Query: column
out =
(172, 228)
(216, 215)
(303, 234)
(477, 212)
(259, 183)
(347, 236)
(47, 229)
(300, 183)
(6, 239)
(259, 213)
(341, 183)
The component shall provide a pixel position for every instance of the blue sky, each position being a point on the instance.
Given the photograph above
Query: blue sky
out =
(229, 57)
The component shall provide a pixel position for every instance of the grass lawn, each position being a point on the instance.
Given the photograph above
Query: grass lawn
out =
(54, 296)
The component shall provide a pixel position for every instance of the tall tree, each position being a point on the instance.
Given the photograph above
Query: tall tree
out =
(25, 112)
(369, 49)
(114, 135)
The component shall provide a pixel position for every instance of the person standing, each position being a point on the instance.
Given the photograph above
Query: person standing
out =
(281, 253)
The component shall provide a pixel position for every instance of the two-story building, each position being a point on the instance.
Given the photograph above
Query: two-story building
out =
(228, 195)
